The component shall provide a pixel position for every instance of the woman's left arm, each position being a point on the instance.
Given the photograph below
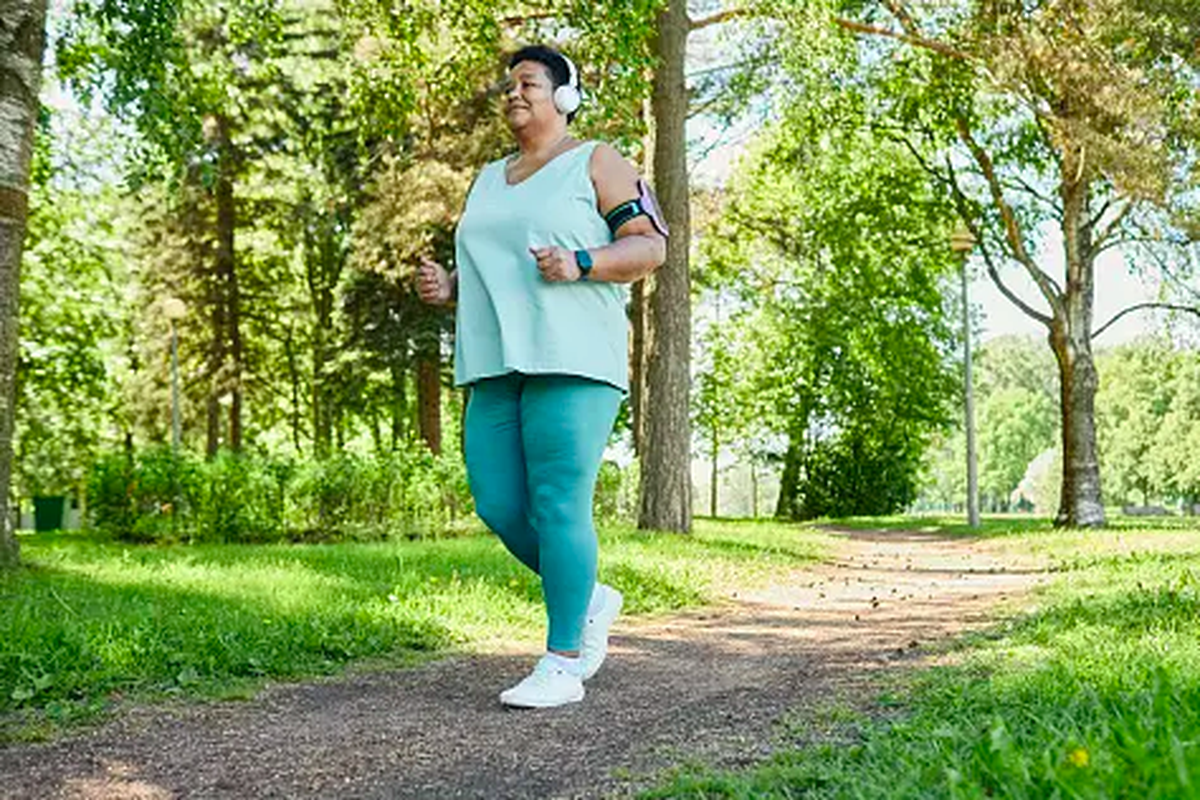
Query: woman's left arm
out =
(638, 248)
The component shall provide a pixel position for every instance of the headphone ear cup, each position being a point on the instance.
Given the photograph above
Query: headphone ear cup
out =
(567, 99)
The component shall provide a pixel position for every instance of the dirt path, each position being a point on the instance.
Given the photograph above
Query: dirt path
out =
(708, 685)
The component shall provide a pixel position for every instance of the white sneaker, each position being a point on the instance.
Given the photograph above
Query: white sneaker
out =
(547, 686)
(595, 633)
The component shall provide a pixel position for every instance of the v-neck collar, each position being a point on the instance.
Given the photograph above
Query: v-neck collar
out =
(536, 172)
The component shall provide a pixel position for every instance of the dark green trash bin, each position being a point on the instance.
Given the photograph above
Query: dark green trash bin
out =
(48, 513)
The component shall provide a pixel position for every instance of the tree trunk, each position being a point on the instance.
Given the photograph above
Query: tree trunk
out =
(321, 416)
(1071, 339)
(294, 373)
(712, 489)
(789, 481)
(753, 490)
(216, 362)
(22, 40)
(666, 487)
(226, 267)
(429, 399)
(638, 318)
(1080, 504)
(637, 363)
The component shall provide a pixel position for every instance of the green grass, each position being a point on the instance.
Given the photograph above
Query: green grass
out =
(88, 624)
(1095, 694)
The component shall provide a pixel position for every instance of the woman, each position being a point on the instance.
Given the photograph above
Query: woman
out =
(546, 239)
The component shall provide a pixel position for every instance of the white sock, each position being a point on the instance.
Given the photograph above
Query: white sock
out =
(568, 664)
(597, 601)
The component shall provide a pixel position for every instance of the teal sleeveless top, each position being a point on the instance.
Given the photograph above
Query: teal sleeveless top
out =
(511, 320)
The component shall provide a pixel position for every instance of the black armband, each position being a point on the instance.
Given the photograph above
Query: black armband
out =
(644, 205)
(623, 213)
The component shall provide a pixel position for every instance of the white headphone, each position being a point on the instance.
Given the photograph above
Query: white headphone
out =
(567, 98)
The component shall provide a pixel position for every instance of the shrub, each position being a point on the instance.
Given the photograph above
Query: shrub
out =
(157, 495)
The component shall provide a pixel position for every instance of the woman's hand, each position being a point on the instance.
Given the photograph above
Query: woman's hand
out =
(557, 264)
(434, 285)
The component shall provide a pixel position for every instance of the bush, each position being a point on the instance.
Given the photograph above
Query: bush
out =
(158, 495)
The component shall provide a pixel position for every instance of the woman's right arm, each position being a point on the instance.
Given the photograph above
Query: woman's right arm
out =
(434, 285)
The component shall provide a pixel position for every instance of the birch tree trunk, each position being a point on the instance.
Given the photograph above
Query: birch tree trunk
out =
(22, 42)
(666, 486)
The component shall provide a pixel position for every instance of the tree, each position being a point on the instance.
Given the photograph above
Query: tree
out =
(857, 346)
(1133, 400)
(186, 76)
(23, 40)
(1173, 463)
(71, 292)
(1074, 114)
(1016, 389)
(1015, 425)
(666, 478)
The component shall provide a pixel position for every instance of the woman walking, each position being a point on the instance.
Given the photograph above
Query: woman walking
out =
(546, 241)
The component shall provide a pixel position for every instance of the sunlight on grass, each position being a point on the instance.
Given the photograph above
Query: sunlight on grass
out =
(89, 623)
(1096, 694)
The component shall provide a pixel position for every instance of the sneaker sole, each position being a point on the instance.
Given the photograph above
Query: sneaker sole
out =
(514, 703)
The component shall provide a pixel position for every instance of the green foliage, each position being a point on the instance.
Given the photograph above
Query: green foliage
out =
(71, 276)
(1136, 384)
(1095, 695)
(156, 495)
(1016, 422)
(848, 314)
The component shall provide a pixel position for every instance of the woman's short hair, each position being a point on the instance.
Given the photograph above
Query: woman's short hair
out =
(552, 60)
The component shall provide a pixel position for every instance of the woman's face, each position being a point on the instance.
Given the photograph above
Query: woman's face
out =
(529, 95)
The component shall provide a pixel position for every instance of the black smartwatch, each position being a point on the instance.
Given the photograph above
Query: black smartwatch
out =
(584, 259)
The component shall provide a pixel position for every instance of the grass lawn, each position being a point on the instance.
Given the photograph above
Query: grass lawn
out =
(87, 624)
(1094, 694)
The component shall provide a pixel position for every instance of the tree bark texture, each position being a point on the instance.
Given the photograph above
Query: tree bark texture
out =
(637, 363)
(666, 486)
(638, 317)
(22, 41)
(1071, 338)
(429, 399)
(1080, 503)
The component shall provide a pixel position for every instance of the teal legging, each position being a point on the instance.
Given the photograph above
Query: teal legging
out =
(533, 450)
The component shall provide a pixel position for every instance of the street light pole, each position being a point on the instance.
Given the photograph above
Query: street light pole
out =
(962, 242)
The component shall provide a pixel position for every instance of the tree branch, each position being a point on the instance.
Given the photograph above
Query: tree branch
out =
(964, 211)
(521, 19)
(1140, 307)
(1012, 229)
(1100, 242)
(916, 41)
(718, 18)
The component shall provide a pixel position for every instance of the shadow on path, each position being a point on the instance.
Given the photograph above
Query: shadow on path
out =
(708, 684)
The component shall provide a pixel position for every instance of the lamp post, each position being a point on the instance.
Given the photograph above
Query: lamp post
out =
(174, 310)
(962, 242)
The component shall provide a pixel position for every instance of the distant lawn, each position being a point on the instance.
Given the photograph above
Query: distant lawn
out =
(86, 624)
(1094, 695)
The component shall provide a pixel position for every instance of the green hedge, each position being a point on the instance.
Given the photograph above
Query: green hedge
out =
(157, 495)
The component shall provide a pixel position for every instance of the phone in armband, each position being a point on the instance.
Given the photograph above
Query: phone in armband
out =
(644, 204)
